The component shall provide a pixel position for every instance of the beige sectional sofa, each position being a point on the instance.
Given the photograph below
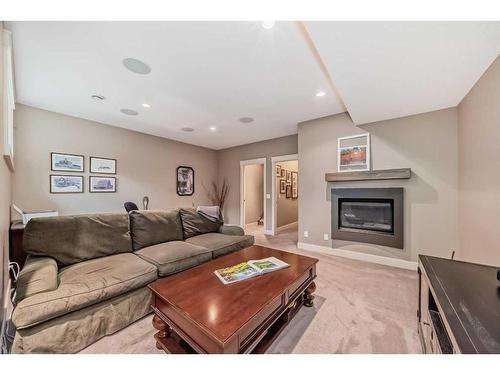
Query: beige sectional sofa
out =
(86, 276)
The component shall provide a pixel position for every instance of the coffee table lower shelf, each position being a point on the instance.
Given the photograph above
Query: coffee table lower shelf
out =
(171, 342)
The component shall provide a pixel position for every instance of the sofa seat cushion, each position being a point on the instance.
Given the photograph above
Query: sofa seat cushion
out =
(85, 284)
(221, 244)
(174, 256)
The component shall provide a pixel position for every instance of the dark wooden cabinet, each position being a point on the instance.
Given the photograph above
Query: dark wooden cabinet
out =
(16, 253)
(459, 307)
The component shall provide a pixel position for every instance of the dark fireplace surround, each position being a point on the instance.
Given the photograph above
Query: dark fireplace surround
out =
(371, 215)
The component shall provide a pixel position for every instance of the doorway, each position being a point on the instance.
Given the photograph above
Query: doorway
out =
(285, 197)
(253, 194)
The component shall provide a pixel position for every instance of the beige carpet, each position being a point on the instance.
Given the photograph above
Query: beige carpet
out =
(359, 308)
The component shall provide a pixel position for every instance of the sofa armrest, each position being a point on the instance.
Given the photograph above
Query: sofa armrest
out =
(232, 230)
(38, 275)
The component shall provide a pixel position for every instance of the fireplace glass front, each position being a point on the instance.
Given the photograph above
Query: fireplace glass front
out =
(373, 215)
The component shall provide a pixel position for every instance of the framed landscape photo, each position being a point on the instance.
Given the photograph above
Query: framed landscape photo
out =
(99, 184)
(66, 184)
(185, 181)
(102, 165)
(295, 191)
(282, 186)
(66, 162)
(353, 153)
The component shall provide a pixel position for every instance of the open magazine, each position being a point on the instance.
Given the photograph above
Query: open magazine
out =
(246, 270)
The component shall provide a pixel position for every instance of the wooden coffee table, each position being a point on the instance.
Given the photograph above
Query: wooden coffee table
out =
(196, 313)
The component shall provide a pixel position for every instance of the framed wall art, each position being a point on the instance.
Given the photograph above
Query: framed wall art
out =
(65, 184)
(185, 181)
(288, 176)
(66, 162)
(295, 191)
(288, 191)
(353, 153)
(282, 186)
(102, 165)
(99, 184)
(278, 170)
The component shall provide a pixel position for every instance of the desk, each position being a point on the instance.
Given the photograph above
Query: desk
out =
(459, 307)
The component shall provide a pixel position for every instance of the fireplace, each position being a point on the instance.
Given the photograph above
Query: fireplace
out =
(372, 215)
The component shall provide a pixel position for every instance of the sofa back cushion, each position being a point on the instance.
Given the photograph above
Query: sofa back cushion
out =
(149, 228)
(194, 224)
(73, 239)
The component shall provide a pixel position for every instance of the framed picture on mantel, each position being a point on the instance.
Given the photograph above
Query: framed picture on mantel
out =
(353, 153)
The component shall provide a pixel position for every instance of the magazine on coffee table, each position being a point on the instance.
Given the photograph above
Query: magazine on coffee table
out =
(246, 270)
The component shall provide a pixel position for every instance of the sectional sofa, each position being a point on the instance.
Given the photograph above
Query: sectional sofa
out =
(86, 276)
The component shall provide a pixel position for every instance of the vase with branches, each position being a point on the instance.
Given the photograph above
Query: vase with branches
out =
(218, 193)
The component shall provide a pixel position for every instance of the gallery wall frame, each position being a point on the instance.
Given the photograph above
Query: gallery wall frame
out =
(64, 162)
(102, 184)
(66, 184)
(101, 165)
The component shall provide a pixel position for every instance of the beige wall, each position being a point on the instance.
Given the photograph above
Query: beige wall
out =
(426, 143)
(479, 170)
(287, 209)
(254, 192)
(146, 164)
(5, 189)
(229, 168)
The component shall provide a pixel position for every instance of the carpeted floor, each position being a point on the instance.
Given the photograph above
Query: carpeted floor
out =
(359, 308)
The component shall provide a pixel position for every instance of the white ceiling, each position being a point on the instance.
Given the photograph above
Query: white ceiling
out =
(212, 73)
(203, 74)
(386, 70)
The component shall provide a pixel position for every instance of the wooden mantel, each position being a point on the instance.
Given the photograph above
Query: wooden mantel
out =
(383, 174)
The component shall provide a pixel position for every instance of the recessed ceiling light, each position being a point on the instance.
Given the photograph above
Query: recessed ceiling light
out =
(146, 105)
(320, 93)
(187, 129)
(136, 66)
(129, 112)
(268, 24)
(213, 128)
(98, 97)
(246, 120)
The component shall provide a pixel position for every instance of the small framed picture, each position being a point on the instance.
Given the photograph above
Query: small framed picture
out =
(66, 162)
(66, 184)
(278, 170)
(282, 172)
(288, 176)
(282, 186)
(185, 181)
(353, 153)
(288, 191)
(102, 165)
(295, 191)
(99, 184)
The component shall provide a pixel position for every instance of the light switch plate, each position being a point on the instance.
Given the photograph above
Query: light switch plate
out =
(306, 233)
(325, 236)
(268, 196)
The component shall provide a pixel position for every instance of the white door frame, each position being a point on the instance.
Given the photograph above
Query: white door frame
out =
(274, 161)
(243, 163)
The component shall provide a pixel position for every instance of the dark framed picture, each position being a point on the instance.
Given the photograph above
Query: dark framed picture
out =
(295, 191)
(283, 172)
(65, 184)
(66, 162)
(99, 184)
(282, 186)
(278, 170)
(102, 165)
(288, 191)
(289, 176)
(185, 181)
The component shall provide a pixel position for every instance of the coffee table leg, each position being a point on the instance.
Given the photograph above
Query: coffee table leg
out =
(162, 327)
(308, 295)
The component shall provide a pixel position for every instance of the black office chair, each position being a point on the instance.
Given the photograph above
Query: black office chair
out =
(130, 206)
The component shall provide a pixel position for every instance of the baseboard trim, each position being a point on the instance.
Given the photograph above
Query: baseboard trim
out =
(269, 232)
(287, 226)
(393, 262)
